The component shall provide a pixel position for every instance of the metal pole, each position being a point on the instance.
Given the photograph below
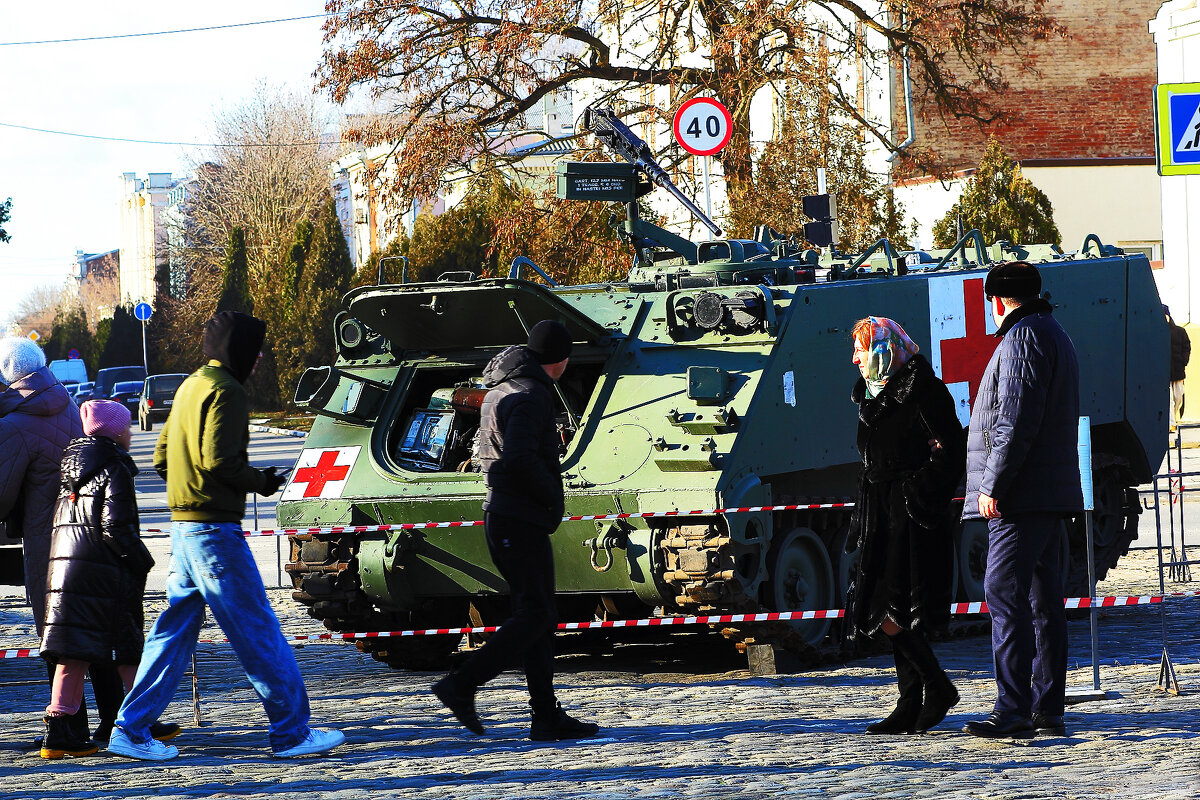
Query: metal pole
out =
(145, 359)
(707, 192)
(1085, 473)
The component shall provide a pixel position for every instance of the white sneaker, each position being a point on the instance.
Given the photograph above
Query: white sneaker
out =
(151, 750)
(319, 740)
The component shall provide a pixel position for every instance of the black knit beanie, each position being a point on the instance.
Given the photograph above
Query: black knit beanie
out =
(235, 339)
(1015, 280)
(549, 342)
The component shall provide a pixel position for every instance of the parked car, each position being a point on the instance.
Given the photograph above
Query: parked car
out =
(82, 391)
(107, 378)
(157, 396)
(127, 392)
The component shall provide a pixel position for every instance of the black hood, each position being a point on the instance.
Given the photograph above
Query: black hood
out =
(235, 339)
(87, 456)
(514, 362)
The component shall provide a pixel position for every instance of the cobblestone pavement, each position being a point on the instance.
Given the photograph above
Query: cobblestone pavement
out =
(681, 718)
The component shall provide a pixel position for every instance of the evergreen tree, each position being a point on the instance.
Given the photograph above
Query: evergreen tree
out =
(69, 332)
(123, 345)
(235, 292)
(293, 266)
(326, 277)
(1002, 203)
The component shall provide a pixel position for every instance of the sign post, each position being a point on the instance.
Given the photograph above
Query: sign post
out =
(702, 126)
(142, 312)
(1177, 128)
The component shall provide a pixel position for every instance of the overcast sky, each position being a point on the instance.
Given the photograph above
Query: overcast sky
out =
(161, 88)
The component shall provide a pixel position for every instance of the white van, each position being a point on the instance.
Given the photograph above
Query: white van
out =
(69, 370)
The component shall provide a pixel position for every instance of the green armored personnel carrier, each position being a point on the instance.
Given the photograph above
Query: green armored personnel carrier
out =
(717, 376)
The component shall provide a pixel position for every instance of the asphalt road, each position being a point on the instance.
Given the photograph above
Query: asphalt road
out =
(266, 450)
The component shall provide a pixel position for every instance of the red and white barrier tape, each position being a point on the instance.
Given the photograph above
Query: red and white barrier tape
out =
(712, 619)
(404, 526)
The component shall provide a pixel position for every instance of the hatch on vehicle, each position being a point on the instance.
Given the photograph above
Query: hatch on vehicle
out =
(488, 313)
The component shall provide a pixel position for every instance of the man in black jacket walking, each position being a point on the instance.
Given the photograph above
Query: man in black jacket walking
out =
(518, 450)
(1023, 478)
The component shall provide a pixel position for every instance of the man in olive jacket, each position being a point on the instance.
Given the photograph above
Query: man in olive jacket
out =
(518, 450)
(201, 454)
(1023, 478)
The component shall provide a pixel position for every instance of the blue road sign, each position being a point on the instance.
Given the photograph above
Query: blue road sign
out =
(73, 353)
(142, 312)
(1177, 109)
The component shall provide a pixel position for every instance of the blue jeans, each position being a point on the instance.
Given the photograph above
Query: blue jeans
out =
(211, 563)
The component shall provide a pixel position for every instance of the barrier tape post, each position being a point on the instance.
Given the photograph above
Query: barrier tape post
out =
(1089, 505)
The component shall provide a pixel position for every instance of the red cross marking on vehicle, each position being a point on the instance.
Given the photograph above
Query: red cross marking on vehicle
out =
(965, 359)
(325, 471)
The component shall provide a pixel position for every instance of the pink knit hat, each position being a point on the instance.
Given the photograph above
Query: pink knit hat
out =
(104, 418)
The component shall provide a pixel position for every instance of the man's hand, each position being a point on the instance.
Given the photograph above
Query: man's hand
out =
(273, 482)
(987, 506)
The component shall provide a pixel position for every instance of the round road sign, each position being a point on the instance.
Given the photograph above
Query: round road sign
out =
(142, 312)
(73, 354)
(702, 126)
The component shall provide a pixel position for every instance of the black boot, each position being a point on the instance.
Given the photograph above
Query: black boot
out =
(556, 725)
(940, 694)
(903, 718)
(61, 740)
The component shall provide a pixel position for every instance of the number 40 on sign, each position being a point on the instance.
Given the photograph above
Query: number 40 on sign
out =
(702, 126)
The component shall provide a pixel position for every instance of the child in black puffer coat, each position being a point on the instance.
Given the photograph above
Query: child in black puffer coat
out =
(98, 567)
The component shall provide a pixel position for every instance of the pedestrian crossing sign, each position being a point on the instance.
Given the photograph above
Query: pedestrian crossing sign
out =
(1177, 127)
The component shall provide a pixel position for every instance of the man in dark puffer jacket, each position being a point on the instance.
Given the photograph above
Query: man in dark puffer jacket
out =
(1023, 477)
(518, 450)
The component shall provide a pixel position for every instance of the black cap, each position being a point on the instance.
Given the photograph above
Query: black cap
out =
(1015, 279)
(235, 339)
(549, 342)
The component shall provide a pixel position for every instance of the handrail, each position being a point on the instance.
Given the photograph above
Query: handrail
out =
(887, 251)
(514, 271)
(980, 249)
(1091, 237)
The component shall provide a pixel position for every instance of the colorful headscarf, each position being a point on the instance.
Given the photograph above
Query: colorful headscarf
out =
(882, 347)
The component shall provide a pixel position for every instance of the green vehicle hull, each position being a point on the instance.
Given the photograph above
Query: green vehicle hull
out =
(683, 396)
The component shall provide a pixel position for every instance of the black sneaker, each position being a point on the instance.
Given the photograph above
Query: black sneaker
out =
(1049, 725)
(460, 703)
(559, 725)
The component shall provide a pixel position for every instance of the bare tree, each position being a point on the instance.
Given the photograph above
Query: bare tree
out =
(37, 309)
(456, 71)
(268, 172)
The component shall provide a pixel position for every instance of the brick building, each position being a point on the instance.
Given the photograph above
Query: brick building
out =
(1081, 125)
(97, 279)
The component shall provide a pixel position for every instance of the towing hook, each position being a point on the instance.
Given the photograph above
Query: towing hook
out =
(606, 544)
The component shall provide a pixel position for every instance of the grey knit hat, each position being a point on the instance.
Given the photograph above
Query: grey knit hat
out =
(19, 356)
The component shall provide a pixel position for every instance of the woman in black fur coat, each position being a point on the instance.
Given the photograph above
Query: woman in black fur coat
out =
(913, 456)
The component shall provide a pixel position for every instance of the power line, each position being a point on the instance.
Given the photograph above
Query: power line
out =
(164, 33)
(153, 141)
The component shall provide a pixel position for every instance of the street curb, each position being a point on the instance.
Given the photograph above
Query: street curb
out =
(278, 431)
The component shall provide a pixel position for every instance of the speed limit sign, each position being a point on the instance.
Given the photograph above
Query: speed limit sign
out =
(702, 126)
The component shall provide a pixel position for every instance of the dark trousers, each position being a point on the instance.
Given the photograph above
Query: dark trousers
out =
(1023, 589)
(525, 560)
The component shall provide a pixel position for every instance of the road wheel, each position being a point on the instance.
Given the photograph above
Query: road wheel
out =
(970, 548)
(801, 579)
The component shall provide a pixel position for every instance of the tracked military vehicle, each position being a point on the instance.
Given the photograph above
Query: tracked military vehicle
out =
(716, 376)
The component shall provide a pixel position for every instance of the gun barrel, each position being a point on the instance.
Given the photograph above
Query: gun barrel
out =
(614, 133)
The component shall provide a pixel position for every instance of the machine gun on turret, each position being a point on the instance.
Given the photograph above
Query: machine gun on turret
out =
(663, 259)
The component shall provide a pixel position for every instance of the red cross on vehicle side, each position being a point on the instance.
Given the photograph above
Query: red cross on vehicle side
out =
(966, 358)
(325, 471)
